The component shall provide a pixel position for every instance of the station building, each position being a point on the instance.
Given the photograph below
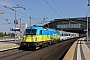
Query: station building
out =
(76, 25)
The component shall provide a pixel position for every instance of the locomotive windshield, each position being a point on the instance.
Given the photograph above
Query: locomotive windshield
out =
(30, 31)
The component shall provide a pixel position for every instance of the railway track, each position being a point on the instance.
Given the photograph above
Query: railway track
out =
(13, 54)
(53, 52)
(8, 52)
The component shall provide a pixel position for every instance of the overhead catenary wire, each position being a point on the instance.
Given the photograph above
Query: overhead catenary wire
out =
(57, 7)
(6, 11)
(16, 14)
(12, 13)
(1, 5)
(23, 14)
(29, 8)
(19, 13)
(52, 8)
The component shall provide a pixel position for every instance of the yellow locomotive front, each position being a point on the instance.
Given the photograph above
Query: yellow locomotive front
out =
(29, 38)
(33, 37)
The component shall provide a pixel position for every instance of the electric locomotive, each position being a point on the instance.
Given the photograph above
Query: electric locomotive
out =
(37, 36)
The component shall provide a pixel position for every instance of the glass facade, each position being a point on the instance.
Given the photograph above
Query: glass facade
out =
(69, 26)
(75, 25)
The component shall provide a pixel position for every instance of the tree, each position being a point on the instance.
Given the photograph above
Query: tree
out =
(1, 34)
(11, 34)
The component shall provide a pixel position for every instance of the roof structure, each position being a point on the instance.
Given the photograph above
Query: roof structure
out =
(77, 25)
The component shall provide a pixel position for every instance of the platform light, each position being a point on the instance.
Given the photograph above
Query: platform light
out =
(87, 18)
(14, 9)
(5, 6)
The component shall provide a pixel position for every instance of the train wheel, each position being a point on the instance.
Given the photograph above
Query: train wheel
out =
(47, 44)
(43, 45)
(51, 42)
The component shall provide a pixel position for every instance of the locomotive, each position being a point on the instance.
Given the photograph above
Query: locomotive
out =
(38, 36)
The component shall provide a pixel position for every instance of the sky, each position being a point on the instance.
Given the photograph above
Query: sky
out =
(39, 9)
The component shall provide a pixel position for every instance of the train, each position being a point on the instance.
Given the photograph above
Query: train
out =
(39, 36)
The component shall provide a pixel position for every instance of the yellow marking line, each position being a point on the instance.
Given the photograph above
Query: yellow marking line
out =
(86, 51)
(78, 51)
(70, 53)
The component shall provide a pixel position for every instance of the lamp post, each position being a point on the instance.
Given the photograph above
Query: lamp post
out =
(20, 29)
(15, 21)
(87, 18)
(19, 24)
(30, 22)
(87, 26)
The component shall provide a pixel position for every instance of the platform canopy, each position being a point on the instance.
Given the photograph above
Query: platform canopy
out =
(77, 25)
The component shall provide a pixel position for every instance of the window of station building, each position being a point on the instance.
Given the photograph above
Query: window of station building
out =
(59, 26)
(65, 26)
(75, 25)
(62, 26)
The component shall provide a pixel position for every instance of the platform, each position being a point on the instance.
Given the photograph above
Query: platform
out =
(7, 46)
(80, 50)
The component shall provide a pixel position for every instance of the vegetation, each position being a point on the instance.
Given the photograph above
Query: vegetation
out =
(2, 34)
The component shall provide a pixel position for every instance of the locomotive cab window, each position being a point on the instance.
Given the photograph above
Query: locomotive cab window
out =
(31, 31)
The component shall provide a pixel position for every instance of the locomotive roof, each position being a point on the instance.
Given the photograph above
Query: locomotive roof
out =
(34, 27)
(40, 28)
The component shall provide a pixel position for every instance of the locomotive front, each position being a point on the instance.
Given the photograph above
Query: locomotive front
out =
(29, 38)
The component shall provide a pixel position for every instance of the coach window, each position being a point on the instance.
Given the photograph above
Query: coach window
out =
(40, 32)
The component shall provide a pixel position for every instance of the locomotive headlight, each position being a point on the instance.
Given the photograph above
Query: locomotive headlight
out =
(24, 39)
